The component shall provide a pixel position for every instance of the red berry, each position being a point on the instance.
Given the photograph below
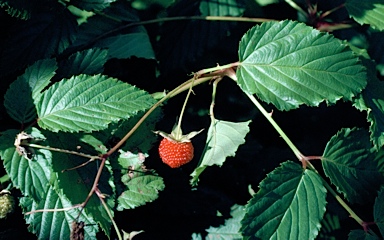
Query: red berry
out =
(174, 153)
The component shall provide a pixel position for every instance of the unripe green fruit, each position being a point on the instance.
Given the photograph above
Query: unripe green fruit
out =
(6, 203)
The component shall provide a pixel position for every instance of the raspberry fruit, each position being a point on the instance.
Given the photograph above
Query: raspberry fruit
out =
(174, 153)
(176, 149)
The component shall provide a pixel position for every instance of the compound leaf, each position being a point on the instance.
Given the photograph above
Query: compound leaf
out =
(288, 64)
(222, 141)
(367, 12)
(32, 177)
(289, 205)
(26, 90)
(352, 164)
(89, 103)
(55, 225)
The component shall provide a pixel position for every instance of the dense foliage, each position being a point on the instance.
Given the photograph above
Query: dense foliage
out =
(87, 84)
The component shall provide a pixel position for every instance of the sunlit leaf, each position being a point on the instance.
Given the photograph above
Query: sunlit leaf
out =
(289, 205)
(367, 12)
(89, 103)
(288, 64)
(351, 163)
(222, 141)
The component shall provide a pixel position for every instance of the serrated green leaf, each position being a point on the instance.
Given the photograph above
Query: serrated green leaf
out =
(223, 139)
(48, 33)
(92, 5)
(288, 64)
(126, 43)
(367, 12)
(20, 98)
(349, 160)
(89, 103)
(378, 211)
(32, 177)
(289, 205)
(361, 235)
(231, 227)
(75, 184)
(90, 61)
(55, 225)
(372, 100)
(142, 189)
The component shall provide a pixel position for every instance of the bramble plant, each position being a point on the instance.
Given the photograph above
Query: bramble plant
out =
(75, 139)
